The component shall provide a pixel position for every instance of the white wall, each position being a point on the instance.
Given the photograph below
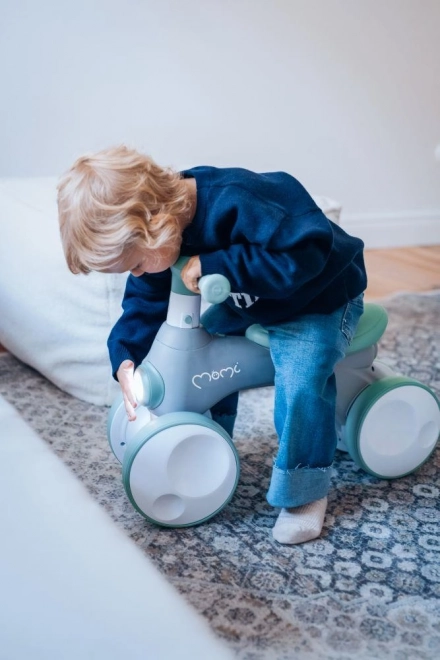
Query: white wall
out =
(344, 94)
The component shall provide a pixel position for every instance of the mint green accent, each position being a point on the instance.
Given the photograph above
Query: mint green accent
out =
(258, 334)
(154, 388)
(161, 424)
(214, 288)
(117, 403)
(370, 329)
(177, 286)
(180, 263)
(188, 319)
(360, 409)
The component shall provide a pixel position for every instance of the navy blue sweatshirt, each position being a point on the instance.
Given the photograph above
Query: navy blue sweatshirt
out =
(265, 233)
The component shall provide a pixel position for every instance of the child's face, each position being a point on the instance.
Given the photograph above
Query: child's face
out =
(139, 261)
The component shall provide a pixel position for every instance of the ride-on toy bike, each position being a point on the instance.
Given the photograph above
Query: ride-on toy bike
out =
(180, 468)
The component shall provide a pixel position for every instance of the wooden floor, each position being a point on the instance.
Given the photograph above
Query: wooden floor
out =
(400, 269)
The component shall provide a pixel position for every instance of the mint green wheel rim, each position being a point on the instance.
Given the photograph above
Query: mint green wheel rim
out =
(161, 424)
(360, 409)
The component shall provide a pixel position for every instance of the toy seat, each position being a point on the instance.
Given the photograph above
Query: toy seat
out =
(371, 327)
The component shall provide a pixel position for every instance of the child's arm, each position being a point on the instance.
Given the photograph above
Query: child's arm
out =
(145, 306)
(266, 273)
(296, 255)
(125, 376)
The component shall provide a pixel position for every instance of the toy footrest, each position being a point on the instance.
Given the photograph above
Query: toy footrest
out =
(258, 334)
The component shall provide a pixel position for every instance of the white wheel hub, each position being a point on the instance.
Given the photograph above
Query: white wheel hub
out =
(183, 474)
(399, 431)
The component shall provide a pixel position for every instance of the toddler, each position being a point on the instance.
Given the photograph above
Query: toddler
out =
(291, 269)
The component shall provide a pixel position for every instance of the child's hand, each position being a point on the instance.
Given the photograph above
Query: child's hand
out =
(125, 377)
(191, 273)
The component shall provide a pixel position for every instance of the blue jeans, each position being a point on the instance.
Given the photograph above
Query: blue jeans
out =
(304, 351)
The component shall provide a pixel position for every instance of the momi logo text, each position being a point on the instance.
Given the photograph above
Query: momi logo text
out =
(199, 380)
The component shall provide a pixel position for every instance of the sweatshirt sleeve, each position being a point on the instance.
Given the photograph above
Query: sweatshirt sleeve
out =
(145, 306)
(281, 267)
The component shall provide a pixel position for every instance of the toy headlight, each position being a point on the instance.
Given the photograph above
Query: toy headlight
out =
(139, 390)
(149, 387)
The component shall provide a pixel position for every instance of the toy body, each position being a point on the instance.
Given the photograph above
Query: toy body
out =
(198, 369)
(180, 468)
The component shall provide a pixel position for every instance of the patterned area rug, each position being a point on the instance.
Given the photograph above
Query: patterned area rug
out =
(369, 587)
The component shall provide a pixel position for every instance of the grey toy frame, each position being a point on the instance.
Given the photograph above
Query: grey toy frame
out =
(180, 468)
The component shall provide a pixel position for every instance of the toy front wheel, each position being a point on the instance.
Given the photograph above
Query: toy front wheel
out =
(120, 430)
(180, 470)
(393, 427)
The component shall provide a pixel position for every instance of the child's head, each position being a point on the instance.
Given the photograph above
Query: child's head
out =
(114, 202)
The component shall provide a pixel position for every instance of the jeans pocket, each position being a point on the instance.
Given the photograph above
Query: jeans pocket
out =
(350, 319)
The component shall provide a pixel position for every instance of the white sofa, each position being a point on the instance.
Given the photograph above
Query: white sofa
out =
(73, 586)
(52, 320)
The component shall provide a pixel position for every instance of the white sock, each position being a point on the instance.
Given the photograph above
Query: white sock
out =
(301, 523)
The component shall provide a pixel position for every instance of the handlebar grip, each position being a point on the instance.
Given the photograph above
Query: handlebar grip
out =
(214, 288)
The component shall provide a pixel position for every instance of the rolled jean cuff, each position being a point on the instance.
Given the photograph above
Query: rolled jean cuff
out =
(290, 488)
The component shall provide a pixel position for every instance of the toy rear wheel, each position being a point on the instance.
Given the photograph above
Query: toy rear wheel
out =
(180, 470)
(393, 427)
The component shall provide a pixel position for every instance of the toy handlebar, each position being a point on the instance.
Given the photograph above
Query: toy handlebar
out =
(214, 288)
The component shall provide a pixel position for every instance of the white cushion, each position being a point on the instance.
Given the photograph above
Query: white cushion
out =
(55, 321)
(331, 207)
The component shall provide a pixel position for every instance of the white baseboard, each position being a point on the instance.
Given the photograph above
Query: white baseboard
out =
(388, 230)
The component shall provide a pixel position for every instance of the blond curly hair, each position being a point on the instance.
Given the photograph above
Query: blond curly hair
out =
(115, 200)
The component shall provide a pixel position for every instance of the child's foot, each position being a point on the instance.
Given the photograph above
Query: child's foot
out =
(301, 523)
